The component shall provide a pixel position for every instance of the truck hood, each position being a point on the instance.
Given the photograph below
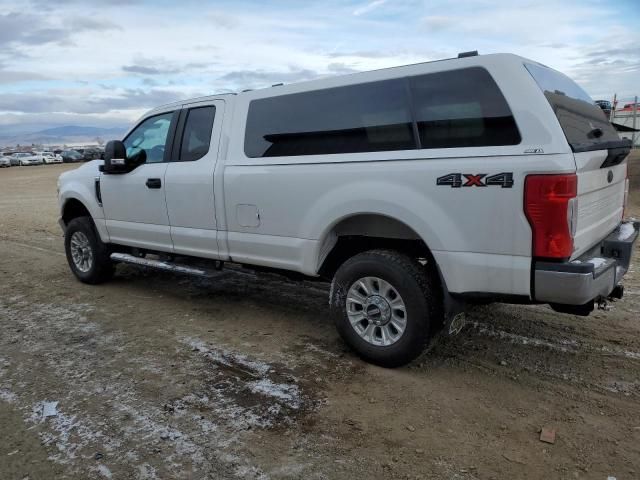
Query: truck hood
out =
(89, 169)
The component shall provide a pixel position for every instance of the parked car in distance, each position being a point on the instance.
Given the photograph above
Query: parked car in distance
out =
(5, 162)
(89, 154)
(606, 107)
(13, 160)
(27, 158)
(49, 157)
(71, 156)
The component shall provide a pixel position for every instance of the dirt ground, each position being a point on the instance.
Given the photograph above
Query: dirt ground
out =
(243, 376)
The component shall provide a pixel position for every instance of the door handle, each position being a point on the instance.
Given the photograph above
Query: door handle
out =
(154, 183)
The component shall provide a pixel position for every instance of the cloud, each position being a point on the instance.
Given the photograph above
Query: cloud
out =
(162, 66)
(360, 54)
(369, 7)
(605, 70)
(144, 70)
(340, 68)
(438, 22)
(261, 78)
(11, 77)
(630, 51)
(223, 20)
(555, 45)
(86, 102)
(90, 24)
(18, 28)
(56, 57)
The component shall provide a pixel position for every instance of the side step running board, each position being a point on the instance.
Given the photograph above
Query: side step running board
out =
(162, 265)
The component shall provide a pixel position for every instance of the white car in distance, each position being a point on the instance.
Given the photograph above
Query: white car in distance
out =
(49, 157)
(25, 158)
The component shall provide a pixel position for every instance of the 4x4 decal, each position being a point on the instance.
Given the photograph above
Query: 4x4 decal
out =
(456, 180)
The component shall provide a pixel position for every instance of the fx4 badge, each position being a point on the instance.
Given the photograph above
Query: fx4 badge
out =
(457, 180)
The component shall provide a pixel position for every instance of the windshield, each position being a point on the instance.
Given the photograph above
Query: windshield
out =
(583, 122)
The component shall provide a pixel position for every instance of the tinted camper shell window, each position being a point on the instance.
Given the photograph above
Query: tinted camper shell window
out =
(583, 122)
(458, 108)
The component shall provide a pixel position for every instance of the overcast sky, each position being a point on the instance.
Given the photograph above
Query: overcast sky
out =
(103, 63)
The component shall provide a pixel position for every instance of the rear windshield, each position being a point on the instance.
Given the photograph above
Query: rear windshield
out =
(583, 122)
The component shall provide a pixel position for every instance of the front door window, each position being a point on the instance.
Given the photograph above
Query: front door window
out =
(146, 144)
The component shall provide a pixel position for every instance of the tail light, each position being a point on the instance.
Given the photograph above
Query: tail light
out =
(551, 208)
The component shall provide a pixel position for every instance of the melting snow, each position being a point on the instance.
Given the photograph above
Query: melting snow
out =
(7, 396)
(228, 358)
(244, 375)
(625, 231)
(104, 471)
(74, 433)
(289, 393)
(49, 409)
(597, 262)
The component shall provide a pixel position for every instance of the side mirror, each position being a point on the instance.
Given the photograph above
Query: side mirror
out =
(115, 158)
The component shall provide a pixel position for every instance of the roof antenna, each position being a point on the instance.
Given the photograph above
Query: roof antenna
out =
(472, 53)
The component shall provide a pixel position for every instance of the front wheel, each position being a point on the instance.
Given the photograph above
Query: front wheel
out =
(88, 257)
(385, 306)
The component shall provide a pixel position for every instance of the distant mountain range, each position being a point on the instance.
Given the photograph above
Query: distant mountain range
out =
(69, 135)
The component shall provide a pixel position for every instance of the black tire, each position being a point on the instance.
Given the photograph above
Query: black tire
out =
(416, 286)
(102, 268)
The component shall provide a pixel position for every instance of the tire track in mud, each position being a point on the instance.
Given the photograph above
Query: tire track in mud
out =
(546, 351)
(105, 407)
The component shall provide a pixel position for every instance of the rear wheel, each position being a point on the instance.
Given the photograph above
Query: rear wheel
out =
(385, 306)
(87, 255)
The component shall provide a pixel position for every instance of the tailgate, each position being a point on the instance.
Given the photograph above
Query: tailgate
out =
(599, 154)
(600, 198)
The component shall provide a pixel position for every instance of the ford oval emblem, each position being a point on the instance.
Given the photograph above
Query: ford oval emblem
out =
(610, 176)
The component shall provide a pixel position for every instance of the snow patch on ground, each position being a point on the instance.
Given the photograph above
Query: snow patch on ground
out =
(562, 345)
(483, 328)
(8, 396)
(620, 352)
(245, 392)
(129, 425)
(228, 358)
(104, 471)
(147, 472)
(288, 393)
(68, 434)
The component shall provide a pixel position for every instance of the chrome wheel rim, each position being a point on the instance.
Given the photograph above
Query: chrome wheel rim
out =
(81, 252)
(376, 311)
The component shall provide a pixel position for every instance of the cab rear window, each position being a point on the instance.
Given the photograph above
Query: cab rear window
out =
(583, 122)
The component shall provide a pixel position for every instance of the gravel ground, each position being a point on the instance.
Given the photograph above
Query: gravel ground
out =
(243, 376)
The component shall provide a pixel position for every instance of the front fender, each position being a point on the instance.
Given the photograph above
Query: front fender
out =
(82, 189)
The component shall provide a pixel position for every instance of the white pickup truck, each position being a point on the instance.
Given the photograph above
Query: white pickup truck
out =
(416, 190)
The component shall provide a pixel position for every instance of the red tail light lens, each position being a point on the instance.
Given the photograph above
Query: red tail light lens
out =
(547, 203)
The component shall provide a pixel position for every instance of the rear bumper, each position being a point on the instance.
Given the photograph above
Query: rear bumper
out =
(592, 276)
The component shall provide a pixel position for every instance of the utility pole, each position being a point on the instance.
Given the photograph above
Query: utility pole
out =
(635, 114)
(613, 107)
